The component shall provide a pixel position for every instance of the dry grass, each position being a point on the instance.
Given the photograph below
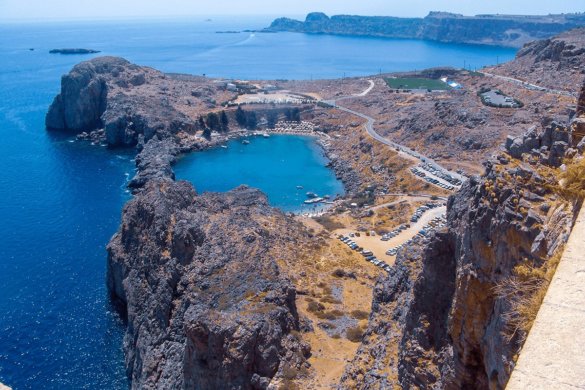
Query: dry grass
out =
(525, 292)
(329, 223)
(360, 314)
(573, 179)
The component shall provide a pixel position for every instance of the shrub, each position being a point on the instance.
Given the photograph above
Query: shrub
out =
(326, 315)
(354, 334)
(359, 314)
(524, 292)
(330, 299)
(573, 180)
(315, 307)
(328, 223)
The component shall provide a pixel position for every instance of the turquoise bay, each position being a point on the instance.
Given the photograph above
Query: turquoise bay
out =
(277, 165)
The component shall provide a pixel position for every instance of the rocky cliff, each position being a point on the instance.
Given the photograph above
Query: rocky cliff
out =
(198, 277)
(124, 101)
(511, 30)
(448, 315)
(555, 62)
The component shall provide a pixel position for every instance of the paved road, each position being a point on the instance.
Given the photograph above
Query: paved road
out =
(402, 150)
(367, 91)
(530, 86)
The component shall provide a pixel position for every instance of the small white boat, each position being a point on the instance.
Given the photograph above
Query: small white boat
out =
(224, 146)
(245, 142)
(299, 187)
(314, 200)
(266, 135)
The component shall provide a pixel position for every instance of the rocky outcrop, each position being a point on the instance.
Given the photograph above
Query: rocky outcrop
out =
(550, 146)
(83, 96)
(578, 123)
(557, 63)
(513, 31)
(440, 320)
(100, 94)
(199, 281)
(73, 51)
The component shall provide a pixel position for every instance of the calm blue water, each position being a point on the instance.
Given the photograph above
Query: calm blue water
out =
(60, 201)
(277, 165)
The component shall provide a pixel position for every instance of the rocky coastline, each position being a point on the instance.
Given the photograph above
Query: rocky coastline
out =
(499, 30)
(176, 251)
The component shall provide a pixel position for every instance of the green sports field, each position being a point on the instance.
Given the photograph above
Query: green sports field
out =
(416, 83)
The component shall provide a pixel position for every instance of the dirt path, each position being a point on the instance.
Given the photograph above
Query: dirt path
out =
(530, 86)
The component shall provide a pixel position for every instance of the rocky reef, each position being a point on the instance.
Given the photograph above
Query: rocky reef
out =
(502, 30)
(444, 317)
(198, 278)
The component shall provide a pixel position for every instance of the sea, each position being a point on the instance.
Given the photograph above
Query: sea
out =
(61, 200)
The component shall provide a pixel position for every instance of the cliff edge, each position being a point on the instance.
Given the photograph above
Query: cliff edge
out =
(122, 101)
(499, 30)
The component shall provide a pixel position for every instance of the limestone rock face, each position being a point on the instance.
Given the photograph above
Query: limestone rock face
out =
(438, 321)
(197, 277)
(550, 146)
(83, 96)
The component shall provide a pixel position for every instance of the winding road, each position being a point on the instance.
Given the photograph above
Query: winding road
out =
(402, 150)
(532, 87)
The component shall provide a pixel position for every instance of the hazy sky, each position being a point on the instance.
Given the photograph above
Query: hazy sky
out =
(88, 9)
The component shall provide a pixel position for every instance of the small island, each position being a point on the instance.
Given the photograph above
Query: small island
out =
(73, 51)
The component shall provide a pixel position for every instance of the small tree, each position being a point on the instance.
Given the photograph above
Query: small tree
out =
(213, 121)
(288, 114)
(241, 117)
(224, 121)
(271, 119)
(251, 120)
(202, 123)
(296, 115)
(207, 133)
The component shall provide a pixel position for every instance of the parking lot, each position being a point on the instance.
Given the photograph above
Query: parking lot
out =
(379, 247)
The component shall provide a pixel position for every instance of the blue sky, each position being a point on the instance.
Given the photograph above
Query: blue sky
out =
(89, 9)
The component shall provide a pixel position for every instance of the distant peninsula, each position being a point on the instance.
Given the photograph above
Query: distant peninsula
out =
(498, 30)
(73, 51)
